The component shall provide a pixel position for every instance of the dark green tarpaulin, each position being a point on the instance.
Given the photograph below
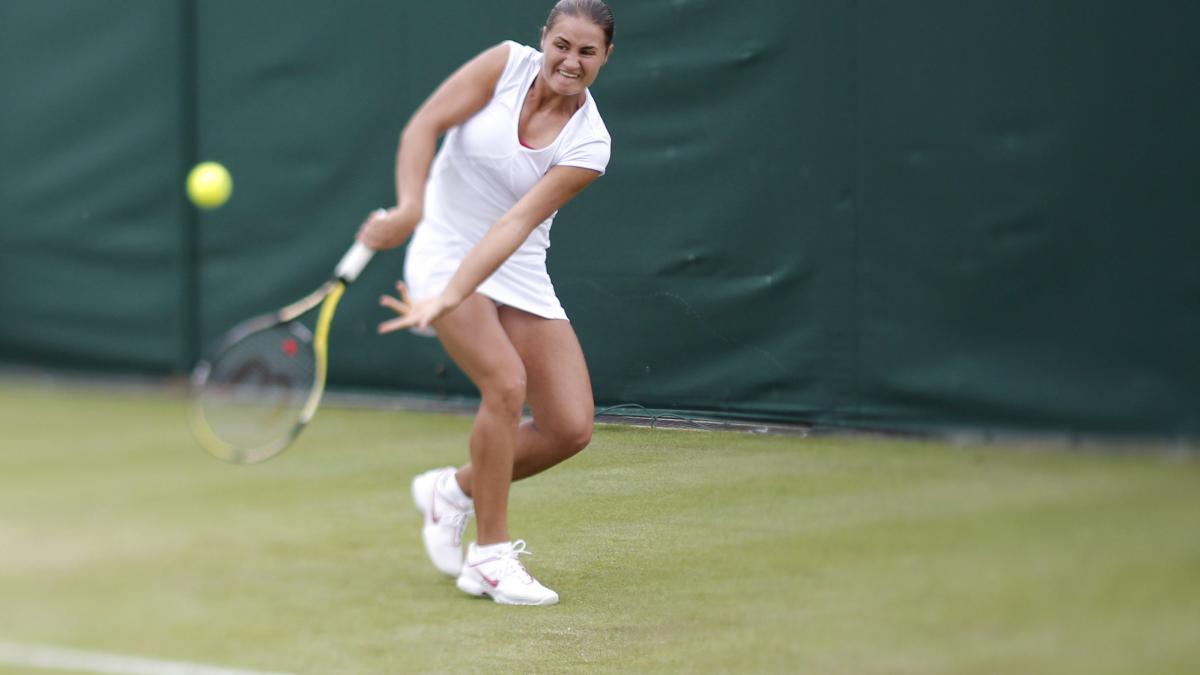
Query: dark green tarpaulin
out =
(902, 215)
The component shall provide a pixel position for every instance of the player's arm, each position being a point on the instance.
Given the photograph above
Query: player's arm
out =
(555, 189)
(459, 97)
(462, 95)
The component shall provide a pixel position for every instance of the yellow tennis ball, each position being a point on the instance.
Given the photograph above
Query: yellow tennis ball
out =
(209, 185)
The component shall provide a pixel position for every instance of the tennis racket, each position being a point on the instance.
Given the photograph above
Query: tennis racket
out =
(264, 380)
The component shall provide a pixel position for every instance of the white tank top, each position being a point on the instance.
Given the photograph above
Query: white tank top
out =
(482, 169)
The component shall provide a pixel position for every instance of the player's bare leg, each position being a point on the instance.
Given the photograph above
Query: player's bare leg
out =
(559, 393)
(558, 389)
(475, 338)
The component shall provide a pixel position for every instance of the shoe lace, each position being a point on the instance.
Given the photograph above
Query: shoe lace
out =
(511, 561)
(458, 520)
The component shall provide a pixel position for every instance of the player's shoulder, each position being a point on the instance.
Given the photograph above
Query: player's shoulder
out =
(518, 53)
(588, 145)
(488, 65)
(513, 63)
(593, 122)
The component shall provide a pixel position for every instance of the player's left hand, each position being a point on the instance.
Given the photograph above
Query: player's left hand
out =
(413, 314)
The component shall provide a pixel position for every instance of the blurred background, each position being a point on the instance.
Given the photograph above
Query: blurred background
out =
(962, 219)
(976, 215)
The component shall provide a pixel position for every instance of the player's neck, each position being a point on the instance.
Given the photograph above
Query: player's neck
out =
(543, 99)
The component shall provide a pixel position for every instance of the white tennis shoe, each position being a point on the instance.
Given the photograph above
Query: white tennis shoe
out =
(499, 575)
(445, 519)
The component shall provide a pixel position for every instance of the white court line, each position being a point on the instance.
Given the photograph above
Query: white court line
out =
(57, 658)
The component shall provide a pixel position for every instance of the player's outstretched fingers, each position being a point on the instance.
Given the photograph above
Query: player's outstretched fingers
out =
(393, 325)
(393, 304)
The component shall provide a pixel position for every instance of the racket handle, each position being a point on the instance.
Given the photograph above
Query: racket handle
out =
(353, 262)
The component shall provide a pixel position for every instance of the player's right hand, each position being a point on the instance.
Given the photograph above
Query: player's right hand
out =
(388, 228)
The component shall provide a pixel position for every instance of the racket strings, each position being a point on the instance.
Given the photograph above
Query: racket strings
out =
(257, 387)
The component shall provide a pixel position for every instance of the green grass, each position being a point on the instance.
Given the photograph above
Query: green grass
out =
(672, 551)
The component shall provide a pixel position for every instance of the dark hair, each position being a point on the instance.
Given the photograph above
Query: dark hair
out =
(594, 10)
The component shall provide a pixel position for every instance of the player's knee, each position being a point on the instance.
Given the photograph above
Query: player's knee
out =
(576, 436)
(507, 393)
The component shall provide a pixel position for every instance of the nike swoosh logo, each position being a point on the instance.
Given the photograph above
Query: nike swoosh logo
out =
(491, 582)
(433, 514)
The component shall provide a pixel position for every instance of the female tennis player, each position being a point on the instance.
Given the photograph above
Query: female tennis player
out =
(522, 137)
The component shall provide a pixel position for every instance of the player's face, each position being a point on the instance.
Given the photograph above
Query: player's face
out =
(575, 53)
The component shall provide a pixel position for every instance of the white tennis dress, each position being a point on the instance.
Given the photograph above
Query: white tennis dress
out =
(481, 171)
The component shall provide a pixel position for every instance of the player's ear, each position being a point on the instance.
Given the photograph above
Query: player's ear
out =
(608, 54)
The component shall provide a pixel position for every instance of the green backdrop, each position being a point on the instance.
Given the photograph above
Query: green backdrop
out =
(921, 215)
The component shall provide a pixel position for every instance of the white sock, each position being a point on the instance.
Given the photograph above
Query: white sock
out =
(448, 486)
(492, 549)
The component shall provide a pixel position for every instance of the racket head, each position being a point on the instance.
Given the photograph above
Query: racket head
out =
(250, 397)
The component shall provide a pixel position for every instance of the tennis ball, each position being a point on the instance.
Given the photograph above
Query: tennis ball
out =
(209, 185)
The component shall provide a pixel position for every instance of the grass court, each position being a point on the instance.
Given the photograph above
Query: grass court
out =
(673, 551)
